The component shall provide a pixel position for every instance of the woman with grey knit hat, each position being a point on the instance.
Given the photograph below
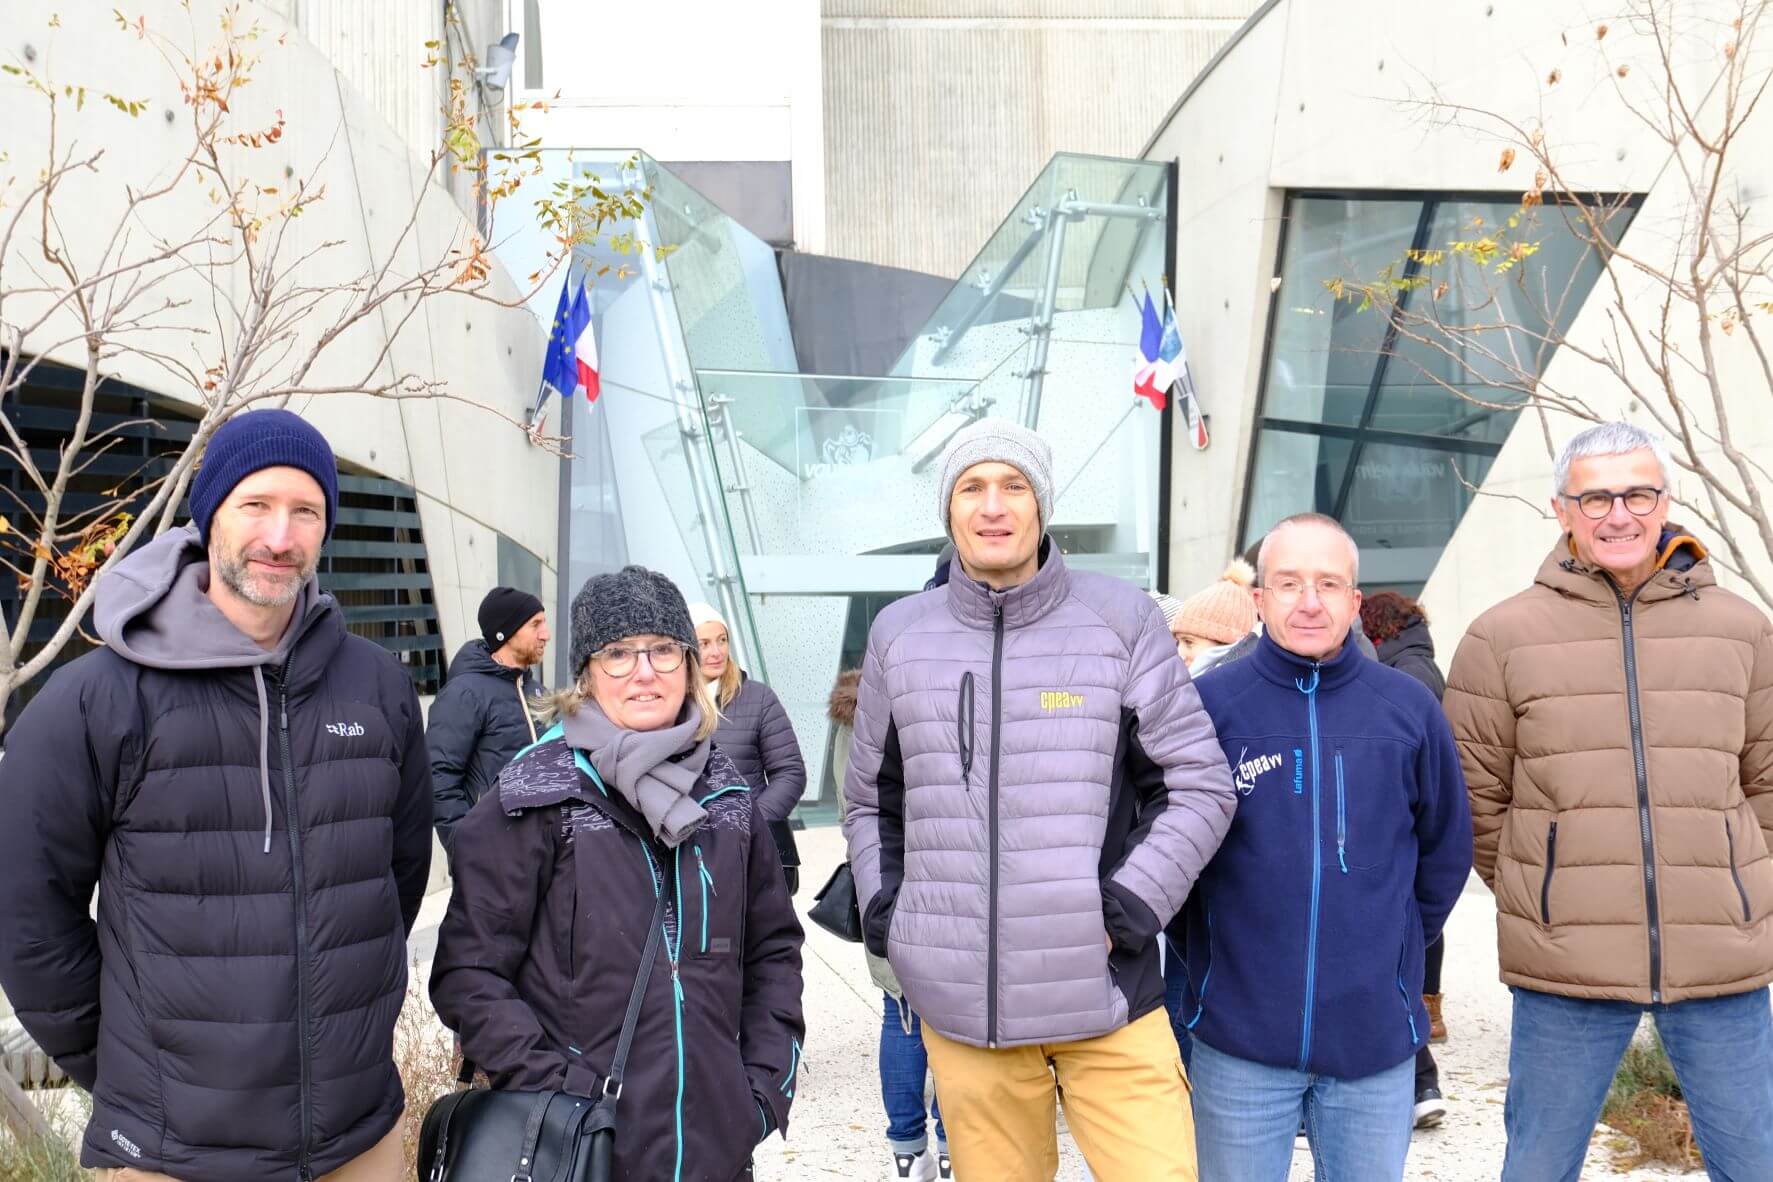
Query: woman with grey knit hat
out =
(557, 876)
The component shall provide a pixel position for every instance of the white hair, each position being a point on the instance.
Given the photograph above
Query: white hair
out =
(1611, 439)
(1323, 520)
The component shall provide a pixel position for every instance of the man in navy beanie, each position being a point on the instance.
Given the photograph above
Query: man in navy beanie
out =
(246, 783)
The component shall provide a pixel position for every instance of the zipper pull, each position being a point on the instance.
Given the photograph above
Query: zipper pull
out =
(703, 868)
(1340, 858)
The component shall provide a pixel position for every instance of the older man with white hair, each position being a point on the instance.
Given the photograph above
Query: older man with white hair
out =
(1615, 723)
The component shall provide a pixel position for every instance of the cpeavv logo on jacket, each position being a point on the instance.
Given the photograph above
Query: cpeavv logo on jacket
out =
(1246, 770)
(1051, 700)
(345, 730)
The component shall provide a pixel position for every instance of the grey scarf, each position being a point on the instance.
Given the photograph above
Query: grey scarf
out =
(640, 766)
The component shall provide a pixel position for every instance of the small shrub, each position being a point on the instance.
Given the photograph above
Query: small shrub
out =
(52, 1159)
(424, 1054)
(1645, 1104)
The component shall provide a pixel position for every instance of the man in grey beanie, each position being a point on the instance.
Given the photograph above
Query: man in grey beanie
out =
(1033, 789)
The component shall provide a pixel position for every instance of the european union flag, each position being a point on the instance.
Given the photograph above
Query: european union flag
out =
(561, 370)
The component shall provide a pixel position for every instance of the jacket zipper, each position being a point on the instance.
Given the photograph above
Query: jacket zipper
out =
(1341, 817)
(996, 756)
(1730, 839)
(1206, 977)
(1317, 862)
(1551, 866)
(1651, 909)
(301, 920)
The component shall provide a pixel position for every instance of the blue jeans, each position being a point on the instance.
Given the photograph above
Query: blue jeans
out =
(1247, 1114)
(904, 1066)
(1564, 1053)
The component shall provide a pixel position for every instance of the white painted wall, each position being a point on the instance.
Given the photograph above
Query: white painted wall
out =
(1328, 96)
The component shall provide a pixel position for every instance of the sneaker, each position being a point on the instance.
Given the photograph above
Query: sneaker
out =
(912, 1167)
(1430, 1108)
(944, 1168)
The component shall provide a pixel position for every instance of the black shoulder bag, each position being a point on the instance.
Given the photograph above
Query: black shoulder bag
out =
(492, 1136)
(834, 907)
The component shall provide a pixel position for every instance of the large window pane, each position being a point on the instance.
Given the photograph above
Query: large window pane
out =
(1387, 417)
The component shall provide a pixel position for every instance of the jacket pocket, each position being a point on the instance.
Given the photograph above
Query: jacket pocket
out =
(1200, 994)
(1551, 865)
(964, 728)
(1403, 972)
(1742, 894)
(1341, 816)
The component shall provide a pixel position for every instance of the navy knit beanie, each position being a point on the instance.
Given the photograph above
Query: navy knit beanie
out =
(261, 439)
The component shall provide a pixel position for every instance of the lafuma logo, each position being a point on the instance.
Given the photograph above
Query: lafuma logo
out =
(125, 1144)
(344, 730)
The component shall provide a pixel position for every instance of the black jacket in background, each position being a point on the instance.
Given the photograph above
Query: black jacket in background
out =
(1412, 651)
(477, 724)
(756, 735)
(555, 887)
(232, 1009)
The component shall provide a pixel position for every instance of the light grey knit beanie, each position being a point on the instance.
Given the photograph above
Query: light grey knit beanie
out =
(1000, 441)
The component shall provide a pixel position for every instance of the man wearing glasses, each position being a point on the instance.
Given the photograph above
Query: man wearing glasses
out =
(1305, 934)
(1615, 721)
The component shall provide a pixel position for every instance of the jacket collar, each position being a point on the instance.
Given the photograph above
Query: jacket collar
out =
(1682, 568)
(1296, 672)
(974, 603)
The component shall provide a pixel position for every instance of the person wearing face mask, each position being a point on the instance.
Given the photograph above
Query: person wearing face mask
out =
(1616, 723)
(1304, 937)
(245, 783)
(754, 733)
(627, 798)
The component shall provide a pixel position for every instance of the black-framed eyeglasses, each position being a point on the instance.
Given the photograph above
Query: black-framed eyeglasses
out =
(619, 660)
(1597, 503)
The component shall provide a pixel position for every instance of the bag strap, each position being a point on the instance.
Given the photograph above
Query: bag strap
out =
(612, 1084)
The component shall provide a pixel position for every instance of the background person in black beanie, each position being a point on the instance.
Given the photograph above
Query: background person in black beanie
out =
(481, 716)
(246, 784)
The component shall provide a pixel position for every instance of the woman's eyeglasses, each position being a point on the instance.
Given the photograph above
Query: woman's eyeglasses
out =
(619, 660)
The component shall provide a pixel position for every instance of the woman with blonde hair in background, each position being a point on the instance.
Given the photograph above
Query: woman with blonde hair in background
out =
(754, 733)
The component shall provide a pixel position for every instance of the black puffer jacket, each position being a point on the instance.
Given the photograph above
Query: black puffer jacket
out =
(1412, 651)
(756, 735)
(258, 825)
(478, 722)
(554, 896)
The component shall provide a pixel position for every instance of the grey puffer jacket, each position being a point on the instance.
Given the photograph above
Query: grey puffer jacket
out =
(1031, 770)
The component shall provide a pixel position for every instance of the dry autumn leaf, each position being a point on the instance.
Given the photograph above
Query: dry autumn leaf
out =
(1555, 75)
(1507, 161)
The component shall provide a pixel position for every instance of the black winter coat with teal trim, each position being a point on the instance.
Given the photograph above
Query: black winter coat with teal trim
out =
(553, 900)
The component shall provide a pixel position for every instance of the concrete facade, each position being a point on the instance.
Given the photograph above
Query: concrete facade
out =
(1307, 98)
(476, 475)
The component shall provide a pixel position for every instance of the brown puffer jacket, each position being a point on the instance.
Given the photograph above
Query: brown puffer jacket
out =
(1619, 756)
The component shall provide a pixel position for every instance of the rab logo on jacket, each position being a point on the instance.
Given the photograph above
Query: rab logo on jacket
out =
(1051, 700)
(1245, 773)
(344, 730)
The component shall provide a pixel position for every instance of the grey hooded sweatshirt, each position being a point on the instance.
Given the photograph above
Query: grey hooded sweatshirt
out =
(1031, 770)
(258, 826)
